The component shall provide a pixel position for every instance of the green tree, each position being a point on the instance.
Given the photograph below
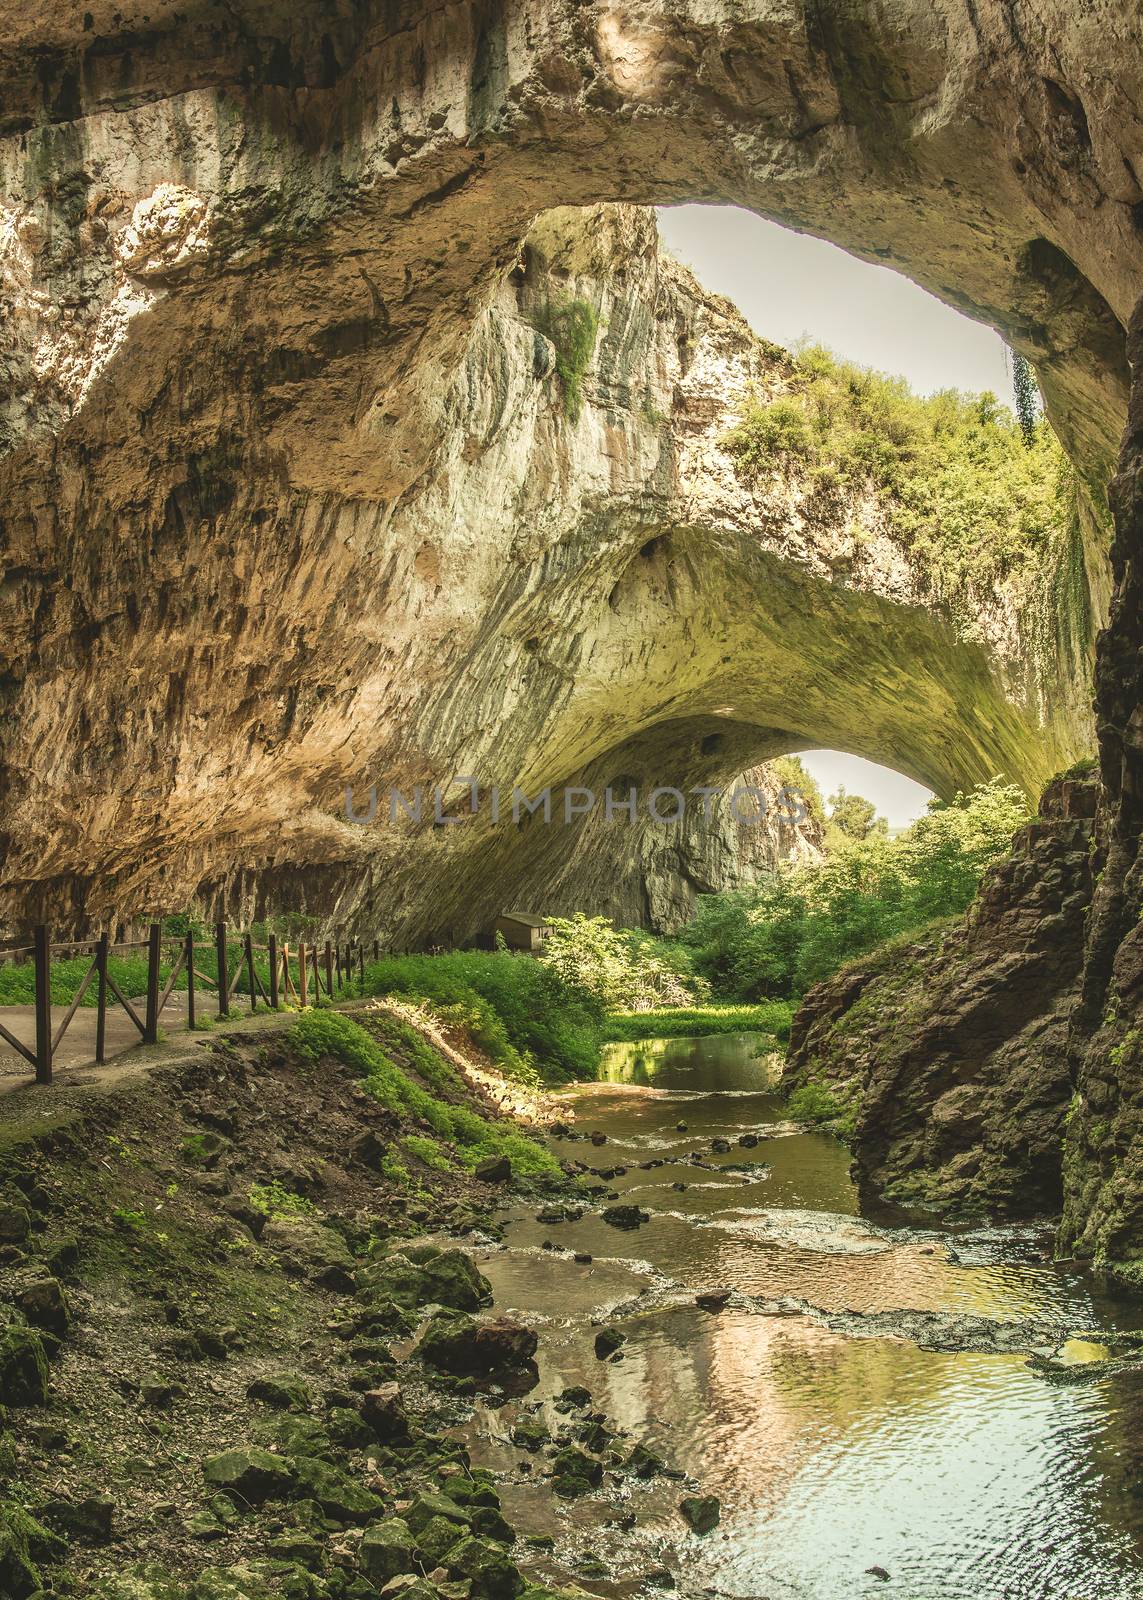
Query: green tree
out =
(855, 816)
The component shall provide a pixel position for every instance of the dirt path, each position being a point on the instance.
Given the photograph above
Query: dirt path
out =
(75, 1059)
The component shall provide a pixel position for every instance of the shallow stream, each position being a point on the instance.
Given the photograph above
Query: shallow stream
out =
(850, 1461)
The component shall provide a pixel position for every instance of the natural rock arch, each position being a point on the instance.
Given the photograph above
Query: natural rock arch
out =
(243, 245)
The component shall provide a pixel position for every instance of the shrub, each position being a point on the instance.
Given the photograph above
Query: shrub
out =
(571, 325)
(526, 1016)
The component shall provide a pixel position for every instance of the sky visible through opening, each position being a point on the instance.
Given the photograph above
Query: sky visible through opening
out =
(792, 287)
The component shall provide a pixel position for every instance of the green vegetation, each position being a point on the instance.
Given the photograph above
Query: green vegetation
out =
(783, 936)
(616, 969)
(818, 1105)
(771, 1016)
(273, 1199)
(519, 1011)
(472, 1137)
(1026, 394)
(572, 326)
(969, 494)
(853, 816)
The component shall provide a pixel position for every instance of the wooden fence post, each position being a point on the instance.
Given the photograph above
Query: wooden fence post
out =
(273, 952)
(301, 973)
(223, 973)
(249, 943)
(43, 959)
(361, 964)
(151, 1032)
(376, 950)
(328, 970)
(101, 999)
(190, 981)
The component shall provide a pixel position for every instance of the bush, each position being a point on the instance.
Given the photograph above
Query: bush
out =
(771, 1016)
(783, 936)
(572, 326)
(616, 969)
(521, 1012)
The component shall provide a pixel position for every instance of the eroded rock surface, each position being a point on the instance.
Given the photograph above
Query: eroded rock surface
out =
(261, 361)
(950, 1053)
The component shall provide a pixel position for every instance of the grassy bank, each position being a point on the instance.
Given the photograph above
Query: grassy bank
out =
(674, 1022)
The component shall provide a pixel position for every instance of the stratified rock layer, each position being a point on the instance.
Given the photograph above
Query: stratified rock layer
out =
(950, 1052)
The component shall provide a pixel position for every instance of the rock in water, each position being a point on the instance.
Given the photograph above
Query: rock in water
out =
(701, 1511)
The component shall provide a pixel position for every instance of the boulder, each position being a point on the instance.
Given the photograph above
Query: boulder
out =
(250, 1475)
(494, 1169)
(467, 1348)
(386, 1550)
(574, 1473)
(383, 1411)
(89, 1519)
(713, 1299)
(625, 1216)
(15, 1222)
(701, 1511)
(444, 1278)
(285, 1392)
(608, 1341)
(340, 1496)
(489, 1571)
(23, 1367)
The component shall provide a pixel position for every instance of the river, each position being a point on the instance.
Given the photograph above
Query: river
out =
(849, 1460)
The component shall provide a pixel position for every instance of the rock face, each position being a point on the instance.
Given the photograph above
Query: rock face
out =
(1103, 1211)
(950, 1055)
(251, 259)
(579, 595)
(267, 351)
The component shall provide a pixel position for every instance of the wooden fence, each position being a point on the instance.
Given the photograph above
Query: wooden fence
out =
(301, 975)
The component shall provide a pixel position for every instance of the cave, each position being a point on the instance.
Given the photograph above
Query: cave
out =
(356, 431)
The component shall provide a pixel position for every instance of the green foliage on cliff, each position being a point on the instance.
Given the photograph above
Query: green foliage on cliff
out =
(572, 326)
(781, 937)
(967, 492)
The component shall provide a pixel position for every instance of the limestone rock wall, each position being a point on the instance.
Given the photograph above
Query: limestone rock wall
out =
(949, 1052)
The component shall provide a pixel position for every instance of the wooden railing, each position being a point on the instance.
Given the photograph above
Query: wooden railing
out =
(302, 975)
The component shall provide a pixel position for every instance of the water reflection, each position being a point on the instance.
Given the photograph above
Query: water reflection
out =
(968, 1476)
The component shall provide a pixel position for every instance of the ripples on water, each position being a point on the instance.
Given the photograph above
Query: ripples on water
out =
(965, 1476)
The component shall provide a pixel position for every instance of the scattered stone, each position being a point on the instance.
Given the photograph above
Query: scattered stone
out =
(748, 1141)
(608, 1341)
(250, 1474)
(582, 1258)
(443, 1277)
(368, 1150)
(720, 1145)
(713, 1299)
(701, 1511)
(680, 1127)
(598, 1136)
(625, 1216)
(878, 1572)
